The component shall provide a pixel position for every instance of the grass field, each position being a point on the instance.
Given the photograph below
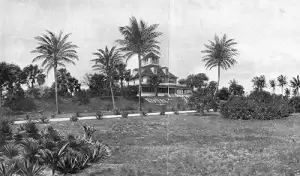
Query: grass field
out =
(193, 145)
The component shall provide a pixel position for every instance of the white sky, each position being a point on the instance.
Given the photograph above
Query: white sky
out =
(267, 32)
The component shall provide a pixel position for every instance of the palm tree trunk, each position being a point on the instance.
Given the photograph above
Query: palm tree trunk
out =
(217, 89)
(56, 98)
(122, 94)
(112, 93)
(156, 94)
(140, 83)
(0, 96)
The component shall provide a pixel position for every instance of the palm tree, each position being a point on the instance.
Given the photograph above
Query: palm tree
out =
(295, 84)
(259, 82)
(55, 51)
(34, 74)
(106, 63)
(139, 39)
(287, 92)
(272, 83)
(282, 81)
(220, 53)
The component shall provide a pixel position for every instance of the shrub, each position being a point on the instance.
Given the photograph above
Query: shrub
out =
(294, 103)
(99, 115)
(29, 130)
(124, 114)
(149, 110)
(176, 112)
(74, 118)
(162, 112)
(5, 130)
(44, 119)
(261, 96)
(27, 117)
(77, 114)
(183, 108)
(143, 114)
(25, 105)
(116, 112)
(52, 116)
(252, 108)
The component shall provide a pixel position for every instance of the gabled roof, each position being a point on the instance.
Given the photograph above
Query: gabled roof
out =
(146, 71)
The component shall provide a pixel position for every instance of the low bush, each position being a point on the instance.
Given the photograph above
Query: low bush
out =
(5, 131)
(116, 112)
(29, 130)
(176, 112)
(124, 114)
(44, 119)
(74, 118)
(294, 103)
(246, 108)
(143, 114)
(149, 110)
(99, 115)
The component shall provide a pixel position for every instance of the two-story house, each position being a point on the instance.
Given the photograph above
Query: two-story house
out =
(169, 86)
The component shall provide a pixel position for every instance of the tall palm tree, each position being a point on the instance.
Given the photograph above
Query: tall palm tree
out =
(282, 81)
(220, 53)
(106, 63)
(272, 83)
(259, 82)
(139, 39)
(55, 51)
(295, 84)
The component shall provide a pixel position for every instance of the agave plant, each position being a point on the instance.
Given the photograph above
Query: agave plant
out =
(51, 158)
(30, 130)
(72, 163)
(9, 152)
(31, 150)
(89, 130)
(8, 170)
(30, 169)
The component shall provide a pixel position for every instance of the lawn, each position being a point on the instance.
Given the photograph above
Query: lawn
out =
(193, 145)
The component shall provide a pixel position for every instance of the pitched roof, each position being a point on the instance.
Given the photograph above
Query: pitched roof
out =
(146, 71)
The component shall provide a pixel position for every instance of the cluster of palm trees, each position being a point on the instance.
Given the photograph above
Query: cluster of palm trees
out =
(139, 39)
(259, 83)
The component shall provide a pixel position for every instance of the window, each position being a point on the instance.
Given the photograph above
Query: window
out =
(155, 70)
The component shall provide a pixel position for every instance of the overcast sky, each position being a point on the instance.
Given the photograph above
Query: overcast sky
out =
(267, 32)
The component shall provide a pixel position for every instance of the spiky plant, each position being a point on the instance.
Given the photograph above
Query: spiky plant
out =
(30, 169)
(51, 158)
(9, 151)
(55, 51)
(31, 150)
(8, 170)
(88, 130)
(220, 54)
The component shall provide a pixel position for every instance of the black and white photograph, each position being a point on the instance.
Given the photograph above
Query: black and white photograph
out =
(149, 88)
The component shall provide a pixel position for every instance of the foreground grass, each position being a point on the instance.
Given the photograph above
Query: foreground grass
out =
(193, 145)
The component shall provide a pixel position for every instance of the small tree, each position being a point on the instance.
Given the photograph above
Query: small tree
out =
(154, 82)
